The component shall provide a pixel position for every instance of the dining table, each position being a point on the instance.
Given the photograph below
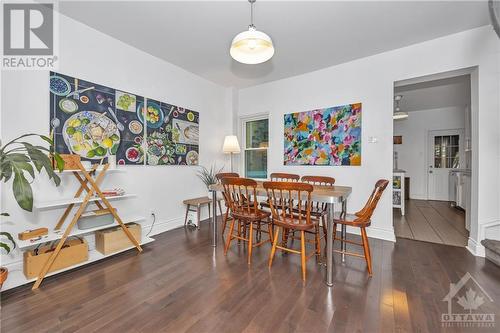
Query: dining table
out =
(330, 195)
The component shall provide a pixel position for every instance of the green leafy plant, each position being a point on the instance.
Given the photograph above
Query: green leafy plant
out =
(9, 237)
(207, 176)
(17, 159)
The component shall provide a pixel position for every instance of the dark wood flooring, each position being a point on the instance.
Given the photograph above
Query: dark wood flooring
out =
(431, 221)
(181, 284)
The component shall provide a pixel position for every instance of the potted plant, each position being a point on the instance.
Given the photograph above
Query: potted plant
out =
(208, 176)
(19, 159)
(4, 272)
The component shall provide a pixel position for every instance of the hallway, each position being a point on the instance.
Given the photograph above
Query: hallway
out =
(431, 221)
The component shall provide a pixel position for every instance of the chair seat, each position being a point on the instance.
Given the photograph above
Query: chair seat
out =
(293, 223)
(252, 216)
(350, 219)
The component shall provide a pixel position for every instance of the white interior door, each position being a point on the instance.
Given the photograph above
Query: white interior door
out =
(445, 152)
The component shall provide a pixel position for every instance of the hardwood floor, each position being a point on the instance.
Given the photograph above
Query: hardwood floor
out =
(181, 284)
(431, 221)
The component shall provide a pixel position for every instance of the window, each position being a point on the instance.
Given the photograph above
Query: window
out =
(446, 151)
(256, 136)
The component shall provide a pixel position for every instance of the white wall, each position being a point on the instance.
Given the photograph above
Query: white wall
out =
(370, 81)
(413, 153)
(88, 54)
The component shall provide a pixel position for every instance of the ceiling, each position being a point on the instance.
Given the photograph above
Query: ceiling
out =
(308, 35)
(435, 94)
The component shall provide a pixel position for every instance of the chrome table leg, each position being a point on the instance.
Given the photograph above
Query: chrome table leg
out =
(343, 245)
(214, 218)
(329, 246)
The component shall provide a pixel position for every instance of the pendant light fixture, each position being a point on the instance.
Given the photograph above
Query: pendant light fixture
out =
(252, 46)
(398, 114)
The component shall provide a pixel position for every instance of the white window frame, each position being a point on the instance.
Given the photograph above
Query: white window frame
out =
(243, 138)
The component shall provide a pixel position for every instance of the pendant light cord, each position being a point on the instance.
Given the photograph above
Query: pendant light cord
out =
(251, 12)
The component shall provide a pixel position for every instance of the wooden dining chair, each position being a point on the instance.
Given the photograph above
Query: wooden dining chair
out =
(280, 177)
(284, 177)
(219, 177)
(285, 218)
(241, 195)
(318, 209)
(360, 219)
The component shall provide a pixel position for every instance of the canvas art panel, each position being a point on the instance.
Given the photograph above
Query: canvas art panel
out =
(95, 121)
(329, 136)
(173, 139)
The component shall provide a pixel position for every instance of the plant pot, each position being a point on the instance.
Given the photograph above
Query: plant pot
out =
(4, 272)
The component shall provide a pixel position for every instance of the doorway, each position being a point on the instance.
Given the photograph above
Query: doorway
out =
(432, 148)
(444, 152)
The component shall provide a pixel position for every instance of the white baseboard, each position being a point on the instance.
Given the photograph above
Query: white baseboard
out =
(475, 248)
(374, 232)
(163, 226)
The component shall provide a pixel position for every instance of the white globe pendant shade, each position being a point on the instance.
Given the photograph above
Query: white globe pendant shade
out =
(400, 115)
(252, 47)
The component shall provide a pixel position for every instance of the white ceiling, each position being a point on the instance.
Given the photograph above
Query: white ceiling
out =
(435, 94)
(308, 35)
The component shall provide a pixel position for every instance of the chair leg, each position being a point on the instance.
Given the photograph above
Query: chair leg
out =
(366, 249)
(209, 211)
(187, 212)
(303, 253)
(270, 229)
(230, 238)
(198, 216)
(220, 207)
(318, 244)
(273, 249)
(250, 243)
(334, 231)
(284, 239)
(259, 232)
(323, 224)
(293, 237)
(224, 222)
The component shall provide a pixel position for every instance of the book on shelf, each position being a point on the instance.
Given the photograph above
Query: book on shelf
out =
(113, 192)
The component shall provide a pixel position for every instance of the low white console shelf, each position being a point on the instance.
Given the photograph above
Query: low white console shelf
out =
(88, 192)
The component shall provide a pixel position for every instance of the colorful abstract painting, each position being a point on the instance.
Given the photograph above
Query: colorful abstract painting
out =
(330, 136)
